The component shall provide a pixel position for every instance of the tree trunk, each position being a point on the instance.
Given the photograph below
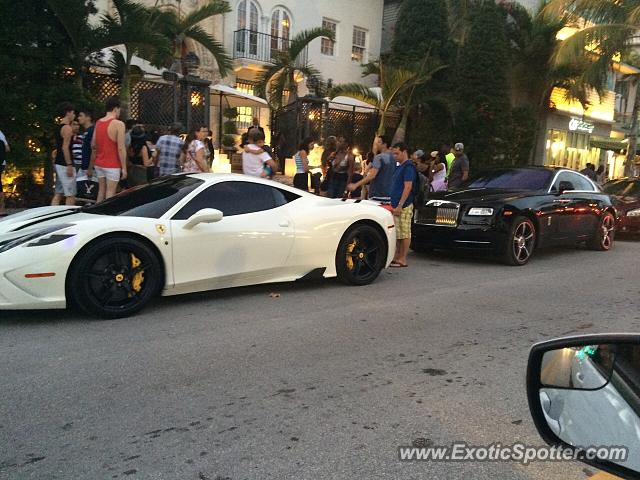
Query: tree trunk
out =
(401, 131)
(629, 165)
(125, 90)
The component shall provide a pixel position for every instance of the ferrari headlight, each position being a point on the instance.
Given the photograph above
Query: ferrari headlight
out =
(480, 212)
(634, 213)
(27, 237)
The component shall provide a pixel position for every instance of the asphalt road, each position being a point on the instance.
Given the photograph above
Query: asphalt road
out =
(324, 382)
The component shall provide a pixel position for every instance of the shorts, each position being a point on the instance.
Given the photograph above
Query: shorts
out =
(403, 223)
(65, 185)
(112, 174)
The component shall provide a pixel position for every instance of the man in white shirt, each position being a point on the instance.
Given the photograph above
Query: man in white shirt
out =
(4, 149)
(254, 163)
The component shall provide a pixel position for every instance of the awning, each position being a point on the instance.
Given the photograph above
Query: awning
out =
(347, 103)
(229, 97)
(607, 143)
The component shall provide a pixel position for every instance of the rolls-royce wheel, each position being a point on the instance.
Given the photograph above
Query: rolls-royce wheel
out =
(602, 239)
(521, 242)
(361, 255)
(114, 277)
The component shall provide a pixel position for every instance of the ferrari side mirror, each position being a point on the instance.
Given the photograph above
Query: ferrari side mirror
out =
(584, 396)
(206, 215)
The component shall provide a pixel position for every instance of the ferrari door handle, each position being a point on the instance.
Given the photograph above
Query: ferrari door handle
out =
(562, 200)
(284, 223)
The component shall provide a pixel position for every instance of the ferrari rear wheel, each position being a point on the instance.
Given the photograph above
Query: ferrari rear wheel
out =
(603, 237)
(361, 255)
(115, 277)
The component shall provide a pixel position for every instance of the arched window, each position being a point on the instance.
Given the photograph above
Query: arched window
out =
(280, 30)
(247, 34)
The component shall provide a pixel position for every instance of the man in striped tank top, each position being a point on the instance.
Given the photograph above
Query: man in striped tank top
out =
(109, 154)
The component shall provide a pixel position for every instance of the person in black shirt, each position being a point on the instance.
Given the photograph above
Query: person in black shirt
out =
(63, 161)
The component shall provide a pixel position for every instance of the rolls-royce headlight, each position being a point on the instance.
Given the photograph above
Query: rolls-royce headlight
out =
(480, 212)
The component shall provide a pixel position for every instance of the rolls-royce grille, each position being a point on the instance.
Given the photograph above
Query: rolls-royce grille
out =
(436, 213)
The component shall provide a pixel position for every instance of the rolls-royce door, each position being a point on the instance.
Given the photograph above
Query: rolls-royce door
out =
(574, 196)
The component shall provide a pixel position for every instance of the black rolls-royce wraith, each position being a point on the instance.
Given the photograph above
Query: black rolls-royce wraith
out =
(511, 212)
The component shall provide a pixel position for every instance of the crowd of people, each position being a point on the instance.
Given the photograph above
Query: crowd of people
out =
(114, 154)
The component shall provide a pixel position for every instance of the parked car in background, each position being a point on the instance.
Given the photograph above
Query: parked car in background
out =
(510, 212)
(625, 195)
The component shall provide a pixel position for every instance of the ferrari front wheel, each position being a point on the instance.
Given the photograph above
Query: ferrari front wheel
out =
(114, 277)
(361, 255)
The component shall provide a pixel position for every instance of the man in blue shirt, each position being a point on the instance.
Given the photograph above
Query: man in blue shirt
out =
(402, 202)
(380, 174)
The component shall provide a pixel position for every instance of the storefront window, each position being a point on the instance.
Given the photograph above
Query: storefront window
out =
(570, 150)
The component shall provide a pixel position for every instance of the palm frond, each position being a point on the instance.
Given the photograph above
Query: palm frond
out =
(304, 38)
(206, 11)
(598, 39)
(358, 92)
(199, 35)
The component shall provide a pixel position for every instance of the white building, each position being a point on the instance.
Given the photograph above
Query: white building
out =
(255, 29)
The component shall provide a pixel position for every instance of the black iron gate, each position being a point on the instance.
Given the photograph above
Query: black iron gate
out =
(317, 118)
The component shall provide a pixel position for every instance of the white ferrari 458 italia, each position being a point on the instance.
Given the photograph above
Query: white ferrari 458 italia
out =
(182, 234)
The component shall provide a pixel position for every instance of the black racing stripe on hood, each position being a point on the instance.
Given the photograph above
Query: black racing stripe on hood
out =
(45, 218)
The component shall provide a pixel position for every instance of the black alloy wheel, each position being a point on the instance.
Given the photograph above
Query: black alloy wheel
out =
(602, 239)
(521, 242)
(114, 277)
(361, 255)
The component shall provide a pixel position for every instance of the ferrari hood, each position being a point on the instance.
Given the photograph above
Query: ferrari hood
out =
(36, 217)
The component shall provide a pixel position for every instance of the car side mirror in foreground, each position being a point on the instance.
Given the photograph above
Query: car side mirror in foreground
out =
(584, 396)
(206, 215)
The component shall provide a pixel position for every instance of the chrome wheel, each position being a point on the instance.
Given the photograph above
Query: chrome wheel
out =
(523, 241)
(607, 228)
(602, 239)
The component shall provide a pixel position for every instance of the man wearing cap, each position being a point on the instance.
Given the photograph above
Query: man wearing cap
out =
(459, 168)
(168, 150)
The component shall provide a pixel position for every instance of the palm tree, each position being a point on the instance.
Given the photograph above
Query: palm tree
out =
(609, 28)
(179, 29)
(83, 39)
(396, 84)
(534, 73)
(129, 25)
(281, 75)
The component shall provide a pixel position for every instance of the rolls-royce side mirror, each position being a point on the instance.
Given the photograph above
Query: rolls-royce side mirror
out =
(584, 395)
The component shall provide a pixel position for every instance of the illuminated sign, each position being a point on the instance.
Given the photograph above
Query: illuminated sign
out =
(577, 125)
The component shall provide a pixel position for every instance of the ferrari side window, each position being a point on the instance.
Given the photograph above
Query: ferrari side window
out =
(233, 198)
(282, 197)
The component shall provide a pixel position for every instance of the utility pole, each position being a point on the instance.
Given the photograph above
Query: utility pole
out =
(629, 165)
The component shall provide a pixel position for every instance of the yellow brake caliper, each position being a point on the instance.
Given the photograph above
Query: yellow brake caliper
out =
(350, 248)
(138, 278)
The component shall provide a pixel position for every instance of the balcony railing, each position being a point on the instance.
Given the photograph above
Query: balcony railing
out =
(261, 47)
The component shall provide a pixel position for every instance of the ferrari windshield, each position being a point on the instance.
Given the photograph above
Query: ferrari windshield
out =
(149, 201)
(512, 179)
(623, 188)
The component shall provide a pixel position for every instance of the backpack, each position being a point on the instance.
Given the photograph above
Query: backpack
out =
(419, 186)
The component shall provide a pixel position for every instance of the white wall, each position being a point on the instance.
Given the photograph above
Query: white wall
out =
(306, 14)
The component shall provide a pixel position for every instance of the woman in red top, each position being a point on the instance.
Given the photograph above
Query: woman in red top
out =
(109, 154)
